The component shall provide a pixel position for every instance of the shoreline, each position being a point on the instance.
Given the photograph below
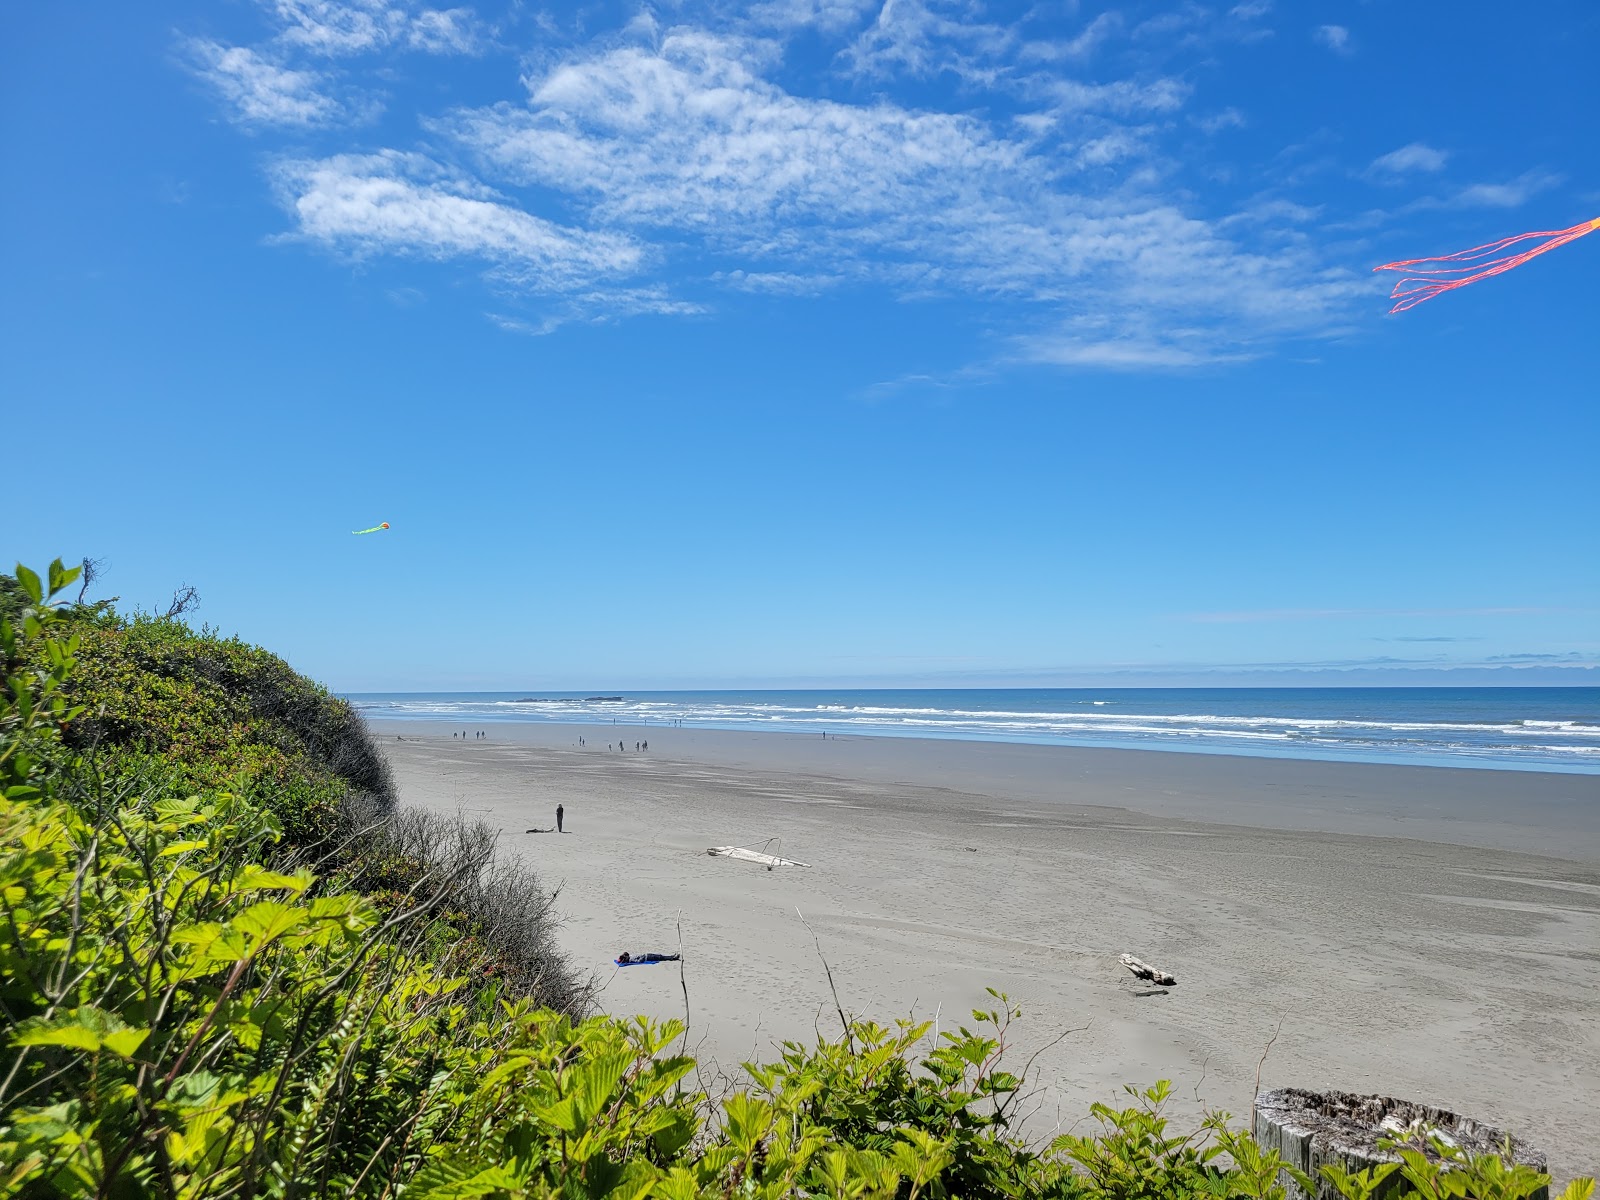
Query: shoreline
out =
(1433, 969)
(1555, 813)
(1495, 729)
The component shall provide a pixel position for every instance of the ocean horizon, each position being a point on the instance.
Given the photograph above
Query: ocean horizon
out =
(1516, 728)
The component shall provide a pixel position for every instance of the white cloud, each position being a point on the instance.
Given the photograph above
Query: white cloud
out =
(1123, 352)
(778, 283)
(1334, 37)
(259, 91)
(1413, 157)
(925, 37)
(656, 153)
(1514, 193)
(688, 144)
(446, 31)
(829, 16)
(1123, 97)
(1081, 46)
(1251, 10)
(600, 307)
(405, 204)
(1186, 16)
(1227, 118)
(343, 27)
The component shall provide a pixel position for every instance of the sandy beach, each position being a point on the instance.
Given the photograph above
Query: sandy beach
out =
(1431, 933)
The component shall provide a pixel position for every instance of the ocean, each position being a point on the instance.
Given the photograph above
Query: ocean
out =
(1531, 729)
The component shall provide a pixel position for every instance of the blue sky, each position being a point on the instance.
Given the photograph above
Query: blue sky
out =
(811, 340)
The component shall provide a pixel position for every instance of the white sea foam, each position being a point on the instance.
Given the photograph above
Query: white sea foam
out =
(1412, 734)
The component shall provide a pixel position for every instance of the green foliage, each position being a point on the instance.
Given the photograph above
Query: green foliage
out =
(202, 711)
(185, 1013)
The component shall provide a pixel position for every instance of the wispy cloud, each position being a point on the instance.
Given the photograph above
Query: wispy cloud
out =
(1437, 638)
(1513, 193)
(1323, 614)
(336, 28)
(1334, 37)
(688, 138)
(1075, 47)
(258, 91)
(828, 16)
(1044, 167)
(598, 307)
(1409, 158)
(1571, 656)
(919, 38)
(1226, 118)
(778, 283)
(406, 204)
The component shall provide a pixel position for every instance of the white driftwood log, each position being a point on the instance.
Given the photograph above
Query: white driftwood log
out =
(1317, 1129)
(755, 856)
(1143, 970)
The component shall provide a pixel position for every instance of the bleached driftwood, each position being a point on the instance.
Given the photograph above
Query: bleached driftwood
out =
(1143, 970)
(755, 856)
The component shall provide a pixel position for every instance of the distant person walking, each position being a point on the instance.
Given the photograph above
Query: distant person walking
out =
(560, 812)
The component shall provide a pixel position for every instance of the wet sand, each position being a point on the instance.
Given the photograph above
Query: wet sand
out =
(1429, 933)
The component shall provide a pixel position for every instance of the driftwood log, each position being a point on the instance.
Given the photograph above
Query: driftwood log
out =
(1316, 1129)
(1143, 970)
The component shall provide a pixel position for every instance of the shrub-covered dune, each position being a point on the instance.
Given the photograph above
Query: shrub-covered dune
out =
(229, 967)
(215, 712)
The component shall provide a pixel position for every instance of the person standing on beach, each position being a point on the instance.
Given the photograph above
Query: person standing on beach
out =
(560, 812)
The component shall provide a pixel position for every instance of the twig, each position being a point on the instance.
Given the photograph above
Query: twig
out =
(1027, 1067)
(683, 982)
(843, 1020)
(1202, 1079)
(1262, 1063)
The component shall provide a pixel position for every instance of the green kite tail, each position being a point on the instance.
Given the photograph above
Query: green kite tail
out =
(374, 529)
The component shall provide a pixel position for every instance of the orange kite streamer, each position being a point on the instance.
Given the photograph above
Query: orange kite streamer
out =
(1430, 276)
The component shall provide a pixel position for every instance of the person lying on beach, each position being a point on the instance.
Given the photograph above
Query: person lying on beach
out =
(633, 960)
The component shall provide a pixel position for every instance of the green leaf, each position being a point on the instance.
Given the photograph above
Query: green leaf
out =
(74, 1036)
(254, 878)
(30, 584)
(124, 1041)
(267, 921)
(88, 1028)
(60, 577)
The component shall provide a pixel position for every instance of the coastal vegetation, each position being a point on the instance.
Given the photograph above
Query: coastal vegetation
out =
(232, 966)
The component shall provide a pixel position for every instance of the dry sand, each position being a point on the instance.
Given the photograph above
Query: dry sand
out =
(1429, 933)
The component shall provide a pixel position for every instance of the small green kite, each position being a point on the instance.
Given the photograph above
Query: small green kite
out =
(375, 529)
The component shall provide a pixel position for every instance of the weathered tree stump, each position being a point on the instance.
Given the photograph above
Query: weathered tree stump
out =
(1316, 1129)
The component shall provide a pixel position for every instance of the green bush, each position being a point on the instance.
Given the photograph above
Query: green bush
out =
(184, 1014)
(204, 711)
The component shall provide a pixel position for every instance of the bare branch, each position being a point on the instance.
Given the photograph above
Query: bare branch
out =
(92, 569)
(185, 599)
(1259, 1065)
